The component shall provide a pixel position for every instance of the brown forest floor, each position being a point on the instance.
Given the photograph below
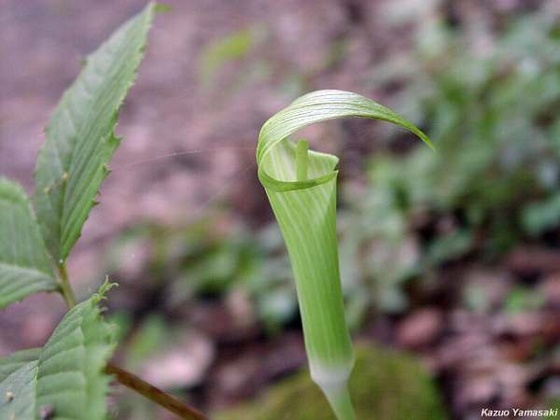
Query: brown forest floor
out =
(183, 141)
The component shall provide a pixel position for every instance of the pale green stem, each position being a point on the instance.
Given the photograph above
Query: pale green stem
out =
(333, 382)
(340, 402)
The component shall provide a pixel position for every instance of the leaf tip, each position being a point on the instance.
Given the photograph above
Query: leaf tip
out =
(103, 290)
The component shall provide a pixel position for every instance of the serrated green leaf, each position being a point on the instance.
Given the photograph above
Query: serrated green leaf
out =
(14, 361)
(66, 376)
(80, 135)
(24, 263)
(17, 393)
(70, 374)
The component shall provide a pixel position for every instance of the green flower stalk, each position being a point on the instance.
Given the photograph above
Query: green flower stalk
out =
(301, 187)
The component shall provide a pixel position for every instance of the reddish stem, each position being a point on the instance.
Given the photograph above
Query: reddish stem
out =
(154, 394)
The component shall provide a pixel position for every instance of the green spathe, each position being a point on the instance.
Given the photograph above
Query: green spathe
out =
(301, 187)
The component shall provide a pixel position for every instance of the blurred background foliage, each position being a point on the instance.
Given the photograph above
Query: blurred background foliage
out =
(453, 255)
(492, 111)
(490, 101)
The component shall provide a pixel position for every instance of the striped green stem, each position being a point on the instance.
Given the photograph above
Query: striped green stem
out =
(301, 187)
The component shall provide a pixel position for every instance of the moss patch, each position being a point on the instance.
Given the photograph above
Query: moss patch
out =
(385, 385)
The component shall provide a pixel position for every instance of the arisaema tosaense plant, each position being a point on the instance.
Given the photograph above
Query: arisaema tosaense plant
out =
(301, 187)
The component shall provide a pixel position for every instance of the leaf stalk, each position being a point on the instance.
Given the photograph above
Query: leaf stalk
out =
(65, 287)
(154, 394)
(340, 401)
(128, 379)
